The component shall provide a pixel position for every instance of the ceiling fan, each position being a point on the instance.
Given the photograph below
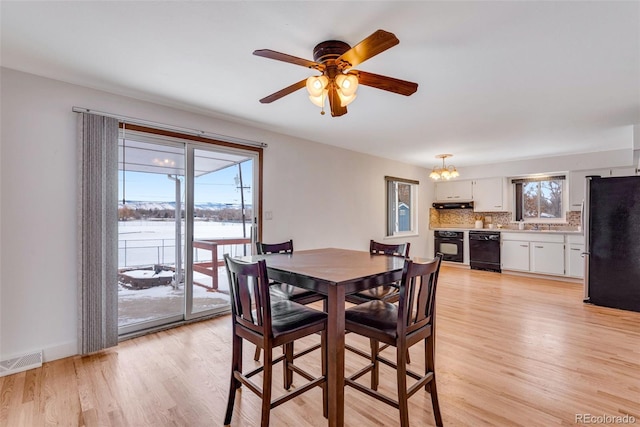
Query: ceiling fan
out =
(339, 81)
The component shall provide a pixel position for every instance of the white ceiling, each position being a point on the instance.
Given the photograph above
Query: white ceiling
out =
(497, 80)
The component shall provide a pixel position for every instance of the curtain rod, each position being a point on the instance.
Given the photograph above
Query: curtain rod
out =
(141, 122)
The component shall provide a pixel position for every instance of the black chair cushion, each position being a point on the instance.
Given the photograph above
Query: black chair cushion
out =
(377, 314)
(284, 291)
(381, 292)
(287, 316)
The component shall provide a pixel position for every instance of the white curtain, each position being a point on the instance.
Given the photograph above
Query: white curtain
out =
(98, 232)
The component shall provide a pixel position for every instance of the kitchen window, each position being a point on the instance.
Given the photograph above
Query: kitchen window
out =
(402, 206)
(540, 198)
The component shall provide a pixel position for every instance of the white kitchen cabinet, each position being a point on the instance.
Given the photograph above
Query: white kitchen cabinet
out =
(576, 260)
(573, 256)
(547, 258)
(533, 252)
(623, 171)
(577, 183)
(488, 195)
(454, 191)
(514, 255)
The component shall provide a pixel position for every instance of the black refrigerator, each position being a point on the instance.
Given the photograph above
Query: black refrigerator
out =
(612, 242)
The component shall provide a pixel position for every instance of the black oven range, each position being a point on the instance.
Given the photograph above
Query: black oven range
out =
(450, 244)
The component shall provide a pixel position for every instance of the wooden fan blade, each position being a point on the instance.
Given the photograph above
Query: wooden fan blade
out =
(390, 84)
(371, 46)
(278, 56)
(337, 109)
(284, 92)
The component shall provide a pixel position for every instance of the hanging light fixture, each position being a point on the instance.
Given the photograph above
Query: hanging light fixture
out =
(444, 172)
(318, 88)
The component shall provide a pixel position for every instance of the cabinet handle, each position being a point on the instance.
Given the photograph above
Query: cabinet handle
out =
(576, 249)
(524, 246)
(540, 247)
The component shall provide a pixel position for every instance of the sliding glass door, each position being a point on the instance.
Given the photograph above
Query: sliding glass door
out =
(182, 205)
(221, 197)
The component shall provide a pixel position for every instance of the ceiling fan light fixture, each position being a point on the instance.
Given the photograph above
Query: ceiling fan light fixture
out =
(338, 82)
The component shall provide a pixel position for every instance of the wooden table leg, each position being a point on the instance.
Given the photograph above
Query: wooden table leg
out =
(335, 355)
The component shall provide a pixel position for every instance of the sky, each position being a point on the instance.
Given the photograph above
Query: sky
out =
(216, 187)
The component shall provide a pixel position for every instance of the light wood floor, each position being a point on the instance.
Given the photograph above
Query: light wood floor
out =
(509, 351)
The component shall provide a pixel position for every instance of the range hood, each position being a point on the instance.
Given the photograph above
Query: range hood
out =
(453, 205)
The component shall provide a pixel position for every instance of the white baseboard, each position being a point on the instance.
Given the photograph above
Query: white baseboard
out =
(60, 351)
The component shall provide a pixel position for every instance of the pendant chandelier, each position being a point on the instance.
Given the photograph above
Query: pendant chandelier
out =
(444, 172)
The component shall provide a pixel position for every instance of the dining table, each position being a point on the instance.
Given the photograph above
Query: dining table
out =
(335, 273)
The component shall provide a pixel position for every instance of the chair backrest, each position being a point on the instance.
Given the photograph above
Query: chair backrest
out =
(402, 249)
(249, 290)
(418, 294)
(274, 248)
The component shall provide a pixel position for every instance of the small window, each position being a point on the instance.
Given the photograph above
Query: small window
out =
(402, 206)
(539, 198)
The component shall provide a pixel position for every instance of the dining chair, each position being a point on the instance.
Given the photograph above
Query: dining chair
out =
(285, 290)
(401, 326)
(269, 322)
(387, 292)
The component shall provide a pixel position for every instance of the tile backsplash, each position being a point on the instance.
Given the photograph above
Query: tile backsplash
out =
(467, 218)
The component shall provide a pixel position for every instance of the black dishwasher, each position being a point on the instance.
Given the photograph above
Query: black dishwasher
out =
(484, 250)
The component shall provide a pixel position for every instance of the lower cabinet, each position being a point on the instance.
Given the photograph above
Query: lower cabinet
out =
(575, 256)
(547, 258)
(576, 260)
(533, 252)
(515, 255)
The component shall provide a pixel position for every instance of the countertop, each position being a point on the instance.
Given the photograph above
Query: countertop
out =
(504, 230)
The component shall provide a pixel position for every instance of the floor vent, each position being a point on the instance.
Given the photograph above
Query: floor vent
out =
(22, 363)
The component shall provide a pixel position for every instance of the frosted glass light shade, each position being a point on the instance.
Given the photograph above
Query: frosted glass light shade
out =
(319, 100)
(346, 100)
(347, 84)
(316, 85)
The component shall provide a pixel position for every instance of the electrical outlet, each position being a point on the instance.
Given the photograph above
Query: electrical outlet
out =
(268, 215)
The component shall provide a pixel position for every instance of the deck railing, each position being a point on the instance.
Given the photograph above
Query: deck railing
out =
(146, 252)
(210, 268)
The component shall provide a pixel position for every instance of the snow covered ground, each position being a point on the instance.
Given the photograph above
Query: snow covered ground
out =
(148, 242)
(144, 243)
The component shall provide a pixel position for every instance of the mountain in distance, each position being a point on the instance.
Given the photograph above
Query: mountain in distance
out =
(147, 205)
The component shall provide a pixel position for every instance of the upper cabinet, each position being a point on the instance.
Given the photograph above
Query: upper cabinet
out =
(489, 195)
(577, 182)
(577, 186)
(454, 191)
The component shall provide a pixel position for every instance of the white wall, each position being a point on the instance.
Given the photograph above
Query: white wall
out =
(575, 162)
(319, 195)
